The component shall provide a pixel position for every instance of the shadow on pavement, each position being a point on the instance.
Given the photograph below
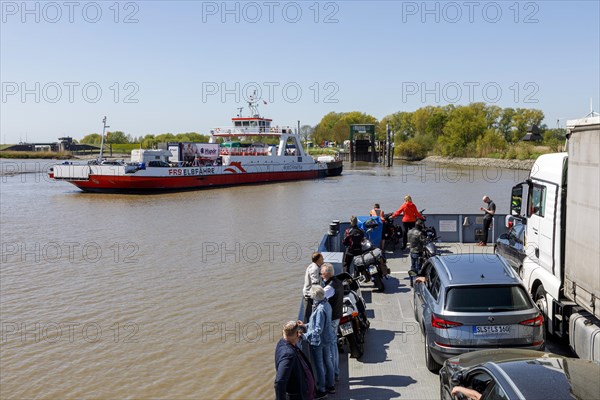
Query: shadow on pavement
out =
(384, 380)
(394, 285)
(376, 345)
(371, 393)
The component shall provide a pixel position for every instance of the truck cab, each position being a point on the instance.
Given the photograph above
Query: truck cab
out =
(539, 204)
(559, 205)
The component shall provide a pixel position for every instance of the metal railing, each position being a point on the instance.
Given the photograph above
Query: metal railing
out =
(244, 151)
(250, 130)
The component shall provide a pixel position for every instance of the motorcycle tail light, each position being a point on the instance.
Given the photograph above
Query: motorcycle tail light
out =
(443, 323)
(345, 319)
(355, 314)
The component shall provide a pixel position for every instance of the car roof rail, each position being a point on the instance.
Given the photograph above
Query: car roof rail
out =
(507, 268)
(445, 267)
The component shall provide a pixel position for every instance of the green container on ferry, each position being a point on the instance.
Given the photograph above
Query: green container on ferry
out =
(231, 144)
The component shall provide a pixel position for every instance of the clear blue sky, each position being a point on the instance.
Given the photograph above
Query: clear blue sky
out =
(371, 56)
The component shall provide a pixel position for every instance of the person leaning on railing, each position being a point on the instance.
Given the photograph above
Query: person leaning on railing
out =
(293, 377)
(312, 276)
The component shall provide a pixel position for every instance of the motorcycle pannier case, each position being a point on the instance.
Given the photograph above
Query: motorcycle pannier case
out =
(369, 258)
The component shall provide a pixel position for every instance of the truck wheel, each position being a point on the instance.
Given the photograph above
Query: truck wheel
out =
(542, 304)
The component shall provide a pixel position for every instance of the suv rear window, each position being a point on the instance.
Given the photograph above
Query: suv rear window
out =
(487, 299)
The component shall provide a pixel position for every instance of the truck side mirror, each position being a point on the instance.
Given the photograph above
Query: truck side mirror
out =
(516, 200)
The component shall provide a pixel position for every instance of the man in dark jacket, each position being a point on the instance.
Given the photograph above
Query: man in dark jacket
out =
(415, 240)
(353, 238)
(293, 378)
(334, 292)
(487, 218)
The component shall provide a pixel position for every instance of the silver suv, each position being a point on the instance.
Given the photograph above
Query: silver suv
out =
(471, 302)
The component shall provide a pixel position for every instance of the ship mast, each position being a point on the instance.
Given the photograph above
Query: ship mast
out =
(102, 141)
(253, 106)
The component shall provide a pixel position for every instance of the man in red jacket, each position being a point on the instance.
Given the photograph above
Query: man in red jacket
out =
(409, 217)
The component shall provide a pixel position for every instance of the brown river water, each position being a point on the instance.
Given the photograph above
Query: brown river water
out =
(178, 295)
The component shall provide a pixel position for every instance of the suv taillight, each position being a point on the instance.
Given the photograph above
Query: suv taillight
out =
(537, 321)
(443, 323)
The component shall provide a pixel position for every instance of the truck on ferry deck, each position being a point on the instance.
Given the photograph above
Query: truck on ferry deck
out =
(559, 203)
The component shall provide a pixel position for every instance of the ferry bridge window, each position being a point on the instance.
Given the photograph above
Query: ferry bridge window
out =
(538, 200)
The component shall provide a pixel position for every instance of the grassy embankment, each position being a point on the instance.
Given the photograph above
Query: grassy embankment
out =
(36, 155)
(117, 150)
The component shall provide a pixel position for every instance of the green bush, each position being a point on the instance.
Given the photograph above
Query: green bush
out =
(496, 155)
(491, 142)
(523, 151)
(411, 149)
(316, 151)
(124, 147)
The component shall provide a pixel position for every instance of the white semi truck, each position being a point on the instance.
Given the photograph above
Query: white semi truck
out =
(559, 203)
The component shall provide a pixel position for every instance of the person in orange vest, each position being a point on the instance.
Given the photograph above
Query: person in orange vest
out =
(376, 211)
(409, 217)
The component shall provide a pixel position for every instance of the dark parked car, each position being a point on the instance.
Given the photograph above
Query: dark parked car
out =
(511, 245)
(474, 301)
(521, 374)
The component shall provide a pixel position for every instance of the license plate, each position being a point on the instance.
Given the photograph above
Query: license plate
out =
(491, 329)
(346, 328)
(372, 270)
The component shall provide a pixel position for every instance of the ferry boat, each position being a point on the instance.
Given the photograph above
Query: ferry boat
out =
(220, 162)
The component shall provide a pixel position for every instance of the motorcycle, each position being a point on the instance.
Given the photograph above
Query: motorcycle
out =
(392, 233)
(371, 264)
(429, 242)
(354, 322)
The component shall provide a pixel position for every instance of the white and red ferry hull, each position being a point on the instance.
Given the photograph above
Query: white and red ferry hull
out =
(114, 178)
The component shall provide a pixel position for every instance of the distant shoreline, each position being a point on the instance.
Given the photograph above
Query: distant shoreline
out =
(461, 161)
(44, 155)
(39, 155)
(480, 162)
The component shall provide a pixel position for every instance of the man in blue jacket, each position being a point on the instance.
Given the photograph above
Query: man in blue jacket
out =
(294, 378)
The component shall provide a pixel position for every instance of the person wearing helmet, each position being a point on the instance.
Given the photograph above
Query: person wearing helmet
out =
(415, 240)
(353, 238)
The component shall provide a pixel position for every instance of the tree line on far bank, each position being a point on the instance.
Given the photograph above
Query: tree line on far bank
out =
(474, 130)
(147, 142)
